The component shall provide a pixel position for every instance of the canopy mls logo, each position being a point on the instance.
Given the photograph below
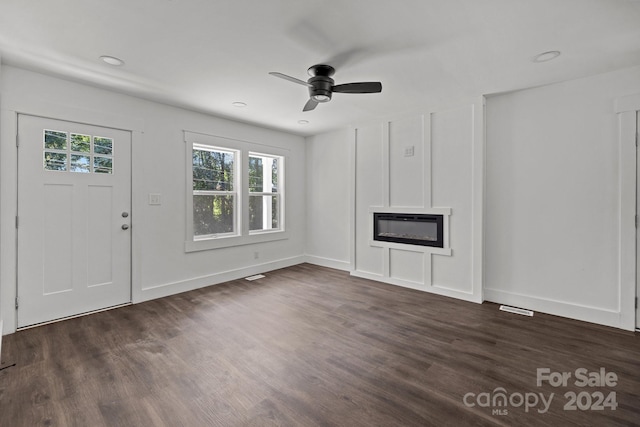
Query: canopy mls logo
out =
(499, 401)
(594, 399)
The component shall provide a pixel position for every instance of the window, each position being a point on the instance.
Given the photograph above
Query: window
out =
(214, 191)
(264, 192)
(73, 152)
(236, 192)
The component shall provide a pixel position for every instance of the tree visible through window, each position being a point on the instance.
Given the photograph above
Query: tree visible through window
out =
(264, 192)
(236, 196)
(214, 192)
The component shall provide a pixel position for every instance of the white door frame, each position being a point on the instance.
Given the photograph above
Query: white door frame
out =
(36, 106)
(129, 209)
(627, 108)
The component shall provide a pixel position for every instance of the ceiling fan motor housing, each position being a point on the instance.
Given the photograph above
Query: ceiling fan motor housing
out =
(321, 88)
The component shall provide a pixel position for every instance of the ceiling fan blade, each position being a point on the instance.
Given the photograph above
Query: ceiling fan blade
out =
(310, 105)
(361, 87)
(291, 79)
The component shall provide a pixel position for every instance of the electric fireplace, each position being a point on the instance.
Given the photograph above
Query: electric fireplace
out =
(411, 229)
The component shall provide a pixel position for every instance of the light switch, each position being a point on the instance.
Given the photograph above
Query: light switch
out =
(155, 199)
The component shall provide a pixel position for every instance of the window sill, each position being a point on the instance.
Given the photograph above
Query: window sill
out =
(231, 241)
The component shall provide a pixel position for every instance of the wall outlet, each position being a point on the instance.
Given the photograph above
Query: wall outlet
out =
(408, 151)
(155, 199)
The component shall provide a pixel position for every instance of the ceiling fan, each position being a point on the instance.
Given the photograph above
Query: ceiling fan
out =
(321, 85)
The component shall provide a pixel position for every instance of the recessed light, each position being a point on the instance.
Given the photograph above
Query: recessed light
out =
(112, 60)
(239, 104)
(303, 122)
(546, 56)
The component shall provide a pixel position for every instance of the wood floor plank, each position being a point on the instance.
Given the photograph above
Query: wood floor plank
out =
(309, 346)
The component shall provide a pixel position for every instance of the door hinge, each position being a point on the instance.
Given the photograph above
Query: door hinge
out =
(17, 139)
(636, 221)
(18, 220)
(636, 302)
(17, 303)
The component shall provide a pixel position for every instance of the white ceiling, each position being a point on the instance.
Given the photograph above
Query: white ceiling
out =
(206, 54)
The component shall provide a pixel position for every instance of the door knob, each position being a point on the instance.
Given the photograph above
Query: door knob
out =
(125, 226)
(125, 214)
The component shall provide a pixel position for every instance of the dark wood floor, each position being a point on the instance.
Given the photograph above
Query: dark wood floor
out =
(310, 346)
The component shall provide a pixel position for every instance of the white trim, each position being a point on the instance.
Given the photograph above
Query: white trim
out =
(352, 196)
(328, 262)
(627, 103)
(83, 116)
(478, 195)
(165, 289)
(556, 308)
(30, 105)
(435, 289)
(242, 235)
(408, 210)
(626, 221)
(445, 212)
(477, 128)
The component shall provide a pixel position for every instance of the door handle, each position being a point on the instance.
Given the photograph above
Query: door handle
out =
(125, 214)
(125, 226)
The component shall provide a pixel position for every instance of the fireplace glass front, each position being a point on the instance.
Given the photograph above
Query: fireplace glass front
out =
(412, 229)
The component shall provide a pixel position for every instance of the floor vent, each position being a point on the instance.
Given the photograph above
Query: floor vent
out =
(516, 310)
(256, 277)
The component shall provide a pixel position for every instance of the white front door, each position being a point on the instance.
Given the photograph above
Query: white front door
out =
(74, 201)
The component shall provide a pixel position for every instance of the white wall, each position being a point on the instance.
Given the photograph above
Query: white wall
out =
(553, 198)
(444, 176)
(160, 264)
(329, 175)
(1, 204)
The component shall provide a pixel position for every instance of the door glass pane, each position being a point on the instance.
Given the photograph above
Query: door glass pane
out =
(213, 214)
(102, 164)
(102, 145)
(80, 163)
(54, 140)
(80, 143)
(55, 161)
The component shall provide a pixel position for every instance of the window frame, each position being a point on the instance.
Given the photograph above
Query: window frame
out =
(242, 235)
(279, 193)
(234, 192)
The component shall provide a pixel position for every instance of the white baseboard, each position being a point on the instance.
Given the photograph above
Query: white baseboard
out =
(166, 289)
(328, 262)
(1, 325)
(451, 293)
(572, 311)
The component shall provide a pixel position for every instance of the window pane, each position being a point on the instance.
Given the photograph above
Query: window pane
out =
(54, 140)
(213, 170)
(102, 145)
(80, 143)
(263, 174)
(213, 214)
(55, 161)
(102, 164)
(264, 212)
(80, 163)
(255, 174)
